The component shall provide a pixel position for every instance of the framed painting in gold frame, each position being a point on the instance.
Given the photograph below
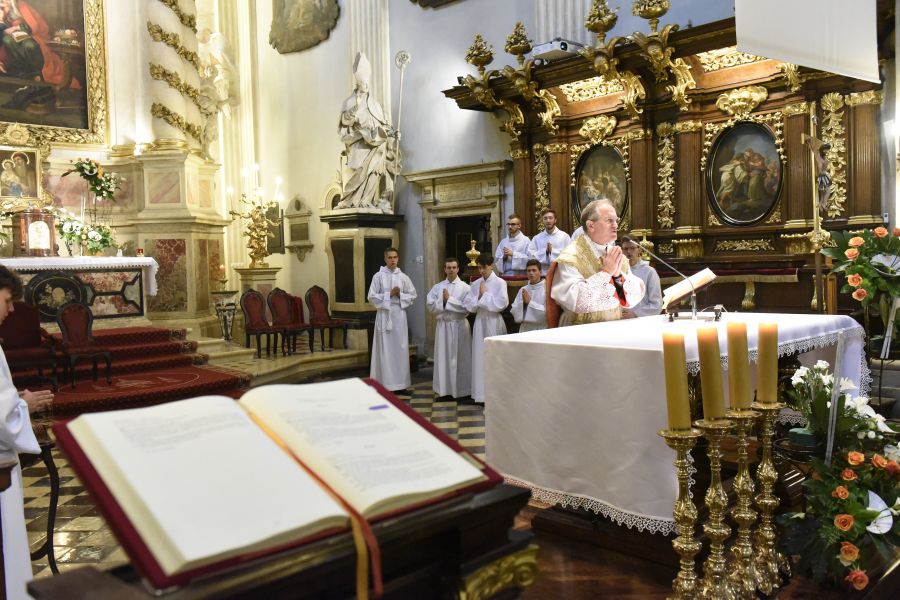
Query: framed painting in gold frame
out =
(53, 76)
(20, 178)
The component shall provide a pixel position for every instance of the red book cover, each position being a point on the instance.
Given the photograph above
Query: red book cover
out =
(144, 561)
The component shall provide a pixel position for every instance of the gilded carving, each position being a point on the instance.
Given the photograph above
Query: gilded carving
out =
(557, 148)
(725, 58)
(550, 113)
(189, 21)
(713, 221)
(596, 129)
(588, 89)
(775, 217)
(160, 73)
(740, 102)
(836, 157)
(688, 126)
(514, 571)
(541, 184)
(665, 248)
(791, 76)
(796, 243)
(743, 245)
(173, 41)
(516, 119)
(798, 108)
(684, 81)
(480, 54)
(517, 43)
(869, 97)
(176, 120)
(517, 154)
(665, 157)
(688, 248)
(635, 93)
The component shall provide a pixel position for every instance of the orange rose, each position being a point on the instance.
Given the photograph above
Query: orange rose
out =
(896, 231)
(880, 232)
(892, 467)
(855, 280)
(851, 253)
(849, 553)
(844, 522)
(848, 474)
(858, 579)
(840, 492)
(856, 458)
(860, 294)
(878, 461)
(856, 242)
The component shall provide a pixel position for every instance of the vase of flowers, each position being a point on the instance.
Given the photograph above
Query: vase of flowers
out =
(100, 183)
(92, 233)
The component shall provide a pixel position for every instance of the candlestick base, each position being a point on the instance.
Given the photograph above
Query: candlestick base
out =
(741, 564)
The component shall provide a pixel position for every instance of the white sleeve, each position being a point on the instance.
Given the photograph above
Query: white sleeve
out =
(653, 296)
(458, 304)
(434, 301)
(407, 292)
(517, 308)
(495, 297)
(379, 298)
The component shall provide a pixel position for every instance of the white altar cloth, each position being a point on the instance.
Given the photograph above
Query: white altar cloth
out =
(573, 413)
(83, 263)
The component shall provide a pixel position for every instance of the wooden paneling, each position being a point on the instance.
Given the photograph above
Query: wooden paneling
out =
(863, 177)
(643, 195)
(797, 189)
(690, 197)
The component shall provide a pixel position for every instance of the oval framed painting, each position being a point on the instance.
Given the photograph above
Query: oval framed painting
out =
(744, 174)
(600, 173)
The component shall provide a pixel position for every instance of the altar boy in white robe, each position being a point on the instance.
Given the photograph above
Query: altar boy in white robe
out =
(452, 338)
(514, 250)
(528, 307)
(487, 298)
(391, 293)
(550, 242)
(16, 437)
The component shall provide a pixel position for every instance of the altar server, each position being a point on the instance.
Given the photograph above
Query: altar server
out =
(514, 250)
(550, 242)
(16, 437)
(452, 338)
(391, 293)
(528, 307)
(651, 303)
(578, 233)
(593, 282)
(487, 298)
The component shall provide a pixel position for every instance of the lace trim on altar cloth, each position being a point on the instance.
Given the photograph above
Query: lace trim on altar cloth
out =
(789, 416)
(617, 515)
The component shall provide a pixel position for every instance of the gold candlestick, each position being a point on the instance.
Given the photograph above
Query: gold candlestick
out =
(741, 566)
(715, 585)
(769, 561)
(686, 545)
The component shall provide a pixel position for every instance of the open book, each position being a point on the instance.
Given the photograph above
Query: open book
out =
(673, 294)
(193, 486)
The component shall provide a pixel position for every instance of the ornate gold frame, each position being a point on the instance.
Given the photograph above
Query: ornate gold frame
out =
(22, 134)
(19, 203)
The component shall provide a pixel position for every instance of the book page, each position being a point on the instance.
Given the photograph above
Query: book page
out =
(201, 482)
(372, 454)
(676, 292)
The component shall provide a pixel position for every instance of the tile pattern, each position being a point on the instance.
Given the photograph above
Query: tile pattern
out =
(82, 537)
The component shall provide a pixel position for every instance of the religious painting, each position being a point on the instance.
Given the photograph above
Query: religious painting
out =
(301, 24)
(52, 71)
(600, 174)
(20, 177)
(744, 174)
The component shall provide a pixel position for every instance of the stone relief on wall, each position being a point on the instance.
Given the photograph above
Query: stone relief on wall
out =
(219, 89)
(301, 24)
(371, 147)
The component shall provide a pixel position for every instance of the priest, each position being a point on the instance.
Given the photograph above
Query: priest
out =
(452, 338)
(550, 242)
(528, 308)
(487, 299)
(514, 250)
(391, 293)
(592, 281)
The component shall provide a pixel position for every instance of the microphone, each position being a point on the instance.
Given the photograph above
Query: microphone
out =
(686, 278)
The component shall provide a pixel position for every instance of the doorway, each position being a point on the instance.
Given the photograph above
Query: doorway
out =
(460, 231)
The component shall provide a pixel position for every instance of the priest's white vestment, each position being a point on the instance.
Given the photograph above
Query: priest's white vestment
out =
(558, 241)
(522, 250)
(532, 316)
(16, 436)
(390, 346)
(488, 322)
(452, 339)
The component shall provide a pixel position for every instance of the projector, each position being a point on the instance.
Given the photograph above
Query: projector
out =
(556, 49)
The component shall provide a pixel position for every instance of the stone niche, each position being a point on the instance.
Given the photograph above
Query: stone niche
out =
(464, 191)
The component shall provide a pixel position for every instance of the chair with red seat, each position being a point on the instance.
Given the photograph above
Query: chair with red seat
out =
(27, 344)
(320, 316)
(284, 315)
(76, 322)
(255, 323)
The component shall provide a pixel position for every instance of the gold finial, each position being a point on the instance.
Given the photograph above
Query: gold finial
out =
(517, 43)
(601, 19)
(480, 54)
(473, 255)
(651, 10)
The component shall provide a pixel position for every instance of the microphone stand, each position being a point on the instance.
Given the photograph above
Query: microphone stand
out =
(686, 278)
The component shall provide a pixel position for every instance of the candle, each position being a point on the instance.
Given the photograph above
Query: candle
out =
(738, 367)
(82, 208)
(676, 381)
(711, 373)
(767, 375)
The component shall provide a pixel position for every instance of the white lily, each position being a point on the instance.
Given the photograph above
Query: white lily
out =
(847, 384)
(882, 523)
(822, 364)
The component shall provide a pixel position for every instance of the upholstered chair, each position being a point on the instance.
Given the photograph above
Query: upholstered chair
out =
(76, 323)
(255, 323)
(26, 344)
(284, 315)
(320, 316)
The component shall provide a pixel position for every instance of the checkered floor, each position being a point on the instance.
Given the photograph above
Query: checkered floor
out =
(81, 536)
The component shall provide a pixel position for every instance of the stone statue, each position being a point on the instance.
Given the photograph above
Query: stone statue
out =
(218, 82)
(372, 147)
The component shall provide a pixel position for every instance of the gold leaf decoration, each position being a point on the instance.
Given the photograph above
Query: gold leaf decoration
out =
(725, 58)
(836, 157)
(541, 184)
(869, 97)
(740, 102)
(173, 41)
(588, 89)
(665, 157)
(743, 245)
(176, 120)
(598, 128)
(189, 21)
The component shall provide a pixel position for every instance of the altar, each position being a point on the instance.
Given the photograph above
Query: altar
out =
(113, 287)
(573, 413)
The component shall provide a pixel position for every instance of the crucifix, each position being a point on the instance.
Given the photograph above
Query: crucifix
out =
(818, 236)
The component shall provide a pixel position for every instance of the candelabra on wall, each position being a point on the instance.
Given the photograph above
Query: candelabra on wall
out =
(253, 209)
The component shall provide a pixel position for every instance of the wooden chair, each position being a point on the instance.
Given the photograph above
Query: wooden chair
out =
(255, 323)
(76, 323)
(284, 315)
(554, 311)
(320, 316)
(27, 344)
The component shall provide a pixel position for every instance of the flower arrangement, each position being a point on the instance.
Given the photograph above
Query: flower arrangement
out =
(104, 185)
(72, 230)
(848, 532)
